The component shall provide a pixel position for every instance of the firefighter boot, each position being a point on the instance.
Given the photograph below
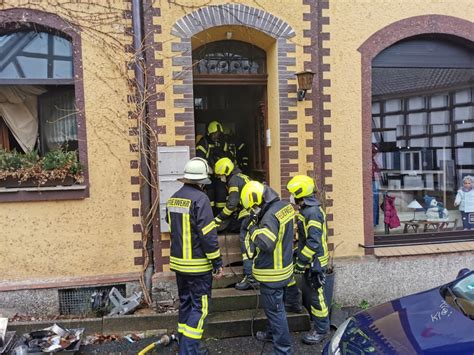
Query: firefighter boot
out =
(314, 337)
(247, 283)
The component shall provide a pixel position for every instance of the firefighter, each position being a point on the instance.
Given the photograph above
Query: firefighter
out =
(312, 254)
(195, 254)
(233, 216)
(238, 150)
(271, 231)
(212, 147)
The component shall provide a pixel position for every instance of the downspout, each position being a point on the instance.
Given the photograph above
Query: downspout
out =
(143, 126)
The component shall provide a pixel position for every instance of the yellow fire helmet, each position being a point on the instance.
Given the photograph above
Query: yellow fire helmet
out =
(301, 186)
(224, 166)
(214, 127)
(252, 194)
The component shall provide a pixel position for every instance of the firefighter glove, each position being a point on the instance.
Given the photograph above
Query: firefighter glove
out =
(299, 268)
(217, 221)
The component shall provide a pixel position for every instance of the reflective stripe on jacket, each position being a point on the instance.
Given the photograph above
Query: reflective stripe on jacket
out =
(273, 236)
(312, 234)
(211, 151)
(194, 246)
(236, 183)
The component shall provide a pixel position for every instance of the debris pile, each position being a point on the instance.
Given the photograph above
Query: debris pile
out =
(51, 339)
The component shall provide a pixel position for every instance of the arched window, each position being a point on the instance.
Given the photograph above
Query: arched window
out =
(37, 101)
(35, 55)
(229, 57)
(423, 133)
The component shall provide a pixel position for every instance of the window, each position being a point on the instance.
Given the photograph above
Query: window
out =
(422, 154)
(37, 103)
(229, 57)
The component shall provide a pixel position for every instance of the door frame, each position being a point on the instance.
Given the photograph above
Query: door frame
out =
(240, 80)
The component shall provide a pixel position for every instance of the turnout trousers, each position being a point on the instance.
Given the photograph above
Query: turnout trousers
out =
(272, 302)
(247, 263)
(315, 302)
(194, 301)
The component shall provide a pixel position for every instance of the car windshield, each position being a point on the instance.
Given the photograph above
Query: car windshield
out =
(460, 295)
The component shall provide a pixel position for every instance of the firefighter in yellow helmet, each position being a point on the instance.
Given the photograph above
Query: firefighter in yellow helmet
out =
(271, 231)
(194, 253)
(212, 147)
(312, 255)
(233, 216)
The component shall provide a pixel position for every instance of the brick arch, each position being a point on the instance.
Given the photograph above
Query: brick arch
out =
(231, 14)
(385, 37)
(235, 14)
(17, 19)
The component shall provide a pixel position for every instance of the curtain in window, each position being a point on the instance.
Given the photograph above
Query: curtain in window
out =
(57, 116)
(18, 107)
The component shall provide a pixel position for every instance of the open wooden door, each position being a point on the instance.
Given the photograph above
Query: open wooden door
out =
(261, 144)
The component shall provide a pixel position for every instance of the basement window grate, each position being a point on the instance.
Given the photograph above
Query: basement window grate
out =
(77, 301)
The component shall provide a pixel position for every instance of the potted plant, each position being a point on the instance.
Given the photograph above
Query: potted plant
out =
(57, 167)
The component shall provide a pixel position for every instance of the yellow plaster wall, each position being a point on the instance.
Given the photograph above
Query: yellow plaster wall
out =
(48, 240)
(290, 11)
(351, 23)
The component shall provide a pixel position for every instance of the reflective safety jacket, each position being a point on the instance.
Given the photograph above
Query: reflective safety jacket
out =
(312, 234)
(194, 246)
(235, 184)
(212, 151)
(272, 235)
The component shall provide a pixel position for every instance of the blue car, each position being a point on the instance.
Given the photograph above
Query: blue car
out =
(437, 321)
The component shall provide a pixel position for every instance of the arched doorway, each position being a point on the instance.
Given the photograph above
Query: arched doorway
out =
(230, 82)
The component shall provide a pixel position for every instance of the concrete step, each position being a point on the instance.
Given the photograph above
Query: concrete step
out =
(229, 241)
(230, 299)
(239, 323)
(232, 275)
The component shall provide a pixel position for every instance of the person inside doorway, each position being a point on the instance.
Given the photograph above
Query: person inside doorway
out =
(212, 147)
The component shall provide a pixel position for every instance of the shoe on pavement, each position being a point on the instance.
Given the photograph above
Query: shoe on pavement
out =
(314, 337)
(263, 336)
(247, 283)
(293, 308)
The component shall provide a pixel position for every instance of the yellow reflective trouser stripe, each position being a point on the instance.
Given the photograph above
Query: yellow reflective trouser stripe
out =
(209, 228)
(244, 256)
(187, 252)
(273, 275)
(191, 332)
(324, 309)
(204, 302)
(233, 189)
(213, 255)
(307, 252)
(201, 148)
(226, 211)
(266, 232)
(181, 327)
(292, 282)
(220, 204)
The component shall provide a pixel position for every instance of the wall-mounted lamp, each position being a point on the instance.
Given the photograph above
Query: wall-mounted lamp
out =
(305, 82)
